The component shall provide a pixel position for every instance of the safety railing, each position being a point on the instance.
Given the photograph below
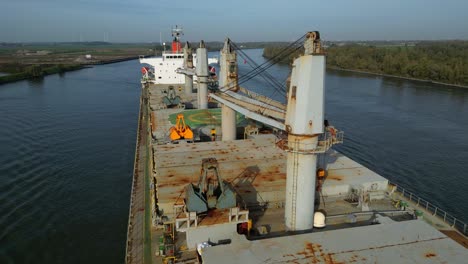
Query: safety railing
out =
(326, 141)
(449, 219)
(129, 254)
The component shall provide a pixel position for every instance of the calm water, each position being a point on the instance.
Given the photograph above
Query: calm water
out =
(66, 156)
(67, 148)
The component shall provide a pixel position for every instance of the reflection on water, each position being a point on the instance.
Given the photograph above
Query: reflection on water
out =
(67, 148)
(36, 82)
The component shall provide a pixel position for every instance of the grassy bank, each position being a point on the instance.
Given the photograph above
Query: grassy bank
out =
(399, 77)
(23, 72)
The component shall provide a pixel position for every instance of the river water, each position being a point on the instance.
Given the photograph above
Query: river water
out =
(67, 149)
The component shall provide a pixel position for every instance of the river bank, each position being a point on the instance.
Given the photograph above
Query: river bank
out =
(399, 77)
(14, 77)
(437, 62)
(39, 71)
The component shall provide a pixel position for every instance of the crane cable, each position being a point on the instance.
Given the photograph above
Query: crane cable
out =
(278, 86)
(265, 75)
(288, 50)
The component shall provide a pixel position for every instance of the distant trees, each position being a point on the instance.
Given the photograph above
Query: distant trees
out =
(21, 72)
(444, 61)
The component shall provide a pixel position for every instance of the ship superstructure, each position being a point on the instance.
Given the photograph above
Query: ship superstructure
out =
(257, 181)
(165, 67)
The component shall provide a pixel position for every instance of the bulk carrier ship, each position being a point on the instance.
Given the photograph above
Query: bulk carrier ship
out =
(226, 175)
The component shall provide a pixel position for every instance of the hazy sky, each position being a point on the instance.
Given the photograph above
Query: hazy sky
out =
(242, 20)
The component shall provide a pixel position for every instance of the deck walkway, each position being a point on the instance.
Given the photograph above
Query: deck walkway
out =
(138, 249)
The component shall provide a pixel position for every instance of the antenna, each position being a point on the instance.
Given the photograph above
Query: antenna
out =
(177, 32)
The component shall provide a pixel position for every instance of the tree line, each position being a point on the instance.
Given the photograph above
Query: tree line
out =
(442, 61)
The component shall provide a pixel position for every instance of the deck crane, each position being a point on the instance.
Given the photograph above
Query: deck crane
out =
(302, 119)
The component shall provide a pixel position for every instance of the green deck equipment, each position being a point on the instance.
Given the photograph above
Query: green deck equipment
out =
(171, 99)
(211, 191)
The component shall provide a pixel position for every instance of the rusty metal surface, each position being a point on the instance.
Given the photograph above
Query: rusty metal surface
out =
(399, 242)
(252, 166)
(135, 231)
(344, 174)
(457, 237)
(257, 170)
(255, 167)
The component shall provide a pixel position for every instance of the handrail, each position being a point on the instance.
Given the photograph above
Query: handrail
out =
(449, 219)
(128, 254)
(324, 144)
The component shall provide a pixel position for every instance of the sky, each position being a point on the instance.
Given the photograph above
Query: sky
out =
(241, 20)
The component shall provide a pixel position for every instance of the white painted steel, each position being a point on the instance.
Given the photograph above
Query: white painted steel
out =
(306, 104)
(188, 84)
(304, 121)
(249, 114)
(228, 123)
(319, 220)
(398, 242)
(202, 74)
(227, 56)
(300, 185)
(263, 99)
(277, 112)
(188, 64)
(165, 67)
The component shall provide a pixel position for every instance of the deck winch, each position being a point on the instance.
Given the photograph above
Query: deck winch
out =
(210, 192)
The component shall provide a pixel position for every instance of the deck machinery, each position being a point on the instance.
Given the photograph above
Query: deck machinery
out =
(210, 192)
(268, 181)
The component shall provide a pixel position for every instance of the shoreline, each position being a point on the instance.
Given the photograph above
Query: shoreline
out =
(21, 76)
(399, 77)
(387, 75)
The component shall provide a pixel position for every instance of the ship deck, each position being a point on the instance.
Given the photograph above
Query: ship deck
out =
(394, 242)
(256, 169)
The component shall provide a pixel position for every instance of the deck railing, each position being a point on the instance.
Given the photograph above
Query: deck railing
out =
(434, 210)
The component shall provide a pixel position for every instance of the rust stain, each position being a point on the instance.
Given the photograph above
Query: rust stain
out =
(310, 247)
(335, 177)
(430, 255)
(309, 253)
(393, 245)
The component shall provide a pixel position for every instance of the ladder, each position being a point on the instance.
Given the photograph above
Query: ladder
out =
(294, 187)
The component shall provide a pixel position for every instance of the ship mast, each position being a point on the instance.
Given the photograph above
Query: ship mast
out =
(176, 33)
